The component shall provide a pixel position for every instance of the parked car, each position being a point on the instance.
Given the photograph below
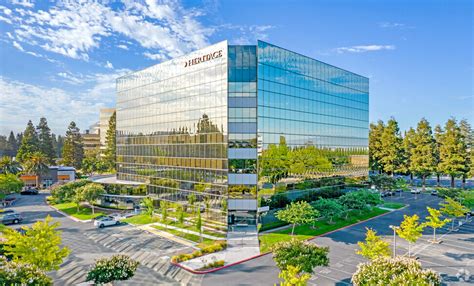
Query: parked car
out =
(415, 191)
(106, 221)
(10, 218)
(434, 192)
(29, 192)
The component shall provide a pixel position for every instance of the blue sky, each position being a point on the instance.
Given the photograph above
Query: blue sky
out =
(60, 59)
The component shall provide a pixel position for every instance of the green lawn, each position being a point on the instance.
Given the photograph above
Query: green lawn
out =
(188, 236)
(141, 219)
(84, 213)
(2, 227)
(394, 206)
(303, 232)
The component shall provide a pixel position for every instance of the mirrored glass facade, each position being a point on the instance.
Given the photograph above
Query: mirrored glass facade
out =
(217, 123)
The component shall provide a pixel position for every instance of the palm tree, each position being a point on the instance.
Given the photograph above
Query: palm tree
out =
(8, 166)
(36, 164)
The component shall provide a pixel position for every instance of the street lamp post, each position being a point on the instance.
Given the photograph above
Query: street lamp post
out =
(394, 239)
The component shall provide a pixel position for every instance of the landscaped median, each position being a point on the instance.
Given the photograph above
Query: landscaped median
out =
(308, 231)
(70, 209)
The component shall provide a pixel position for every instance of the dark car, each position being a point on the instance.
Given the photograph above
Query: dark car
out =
(10, 218)
(29, 192)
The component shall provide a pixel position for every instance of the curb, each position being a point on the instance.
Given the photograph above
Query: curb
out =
(268, 252)
(66, 215)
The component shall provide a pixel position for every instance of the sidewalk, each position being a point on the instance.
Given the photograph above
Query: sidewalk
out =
(167, 235)
(241, 245)
(211, 237)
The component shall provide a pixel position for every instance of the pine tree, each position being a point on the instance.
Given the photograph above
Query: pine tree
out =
(438, 133)
(110, 155)
(468, 137)
(12, 145)
(19, 138)
(73, 150)
(408, 145)
(45, 140)
(375, 145)
(59, 145)
(453, 151)
(422, 155)
(391, 151)
(29, 142)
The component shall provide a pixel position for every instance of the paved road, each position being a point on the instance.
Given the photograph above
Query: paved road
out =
(449, 258)
(88, 243)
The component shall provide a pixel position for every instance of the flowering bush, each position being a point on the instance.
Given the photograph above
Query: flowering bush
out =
(394, 271)
(118, 267)
(17, 273)
(217, 246)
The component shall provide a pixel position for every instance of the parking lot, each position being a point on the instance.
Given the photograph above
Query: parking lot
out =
(451, 259)
(88, 243)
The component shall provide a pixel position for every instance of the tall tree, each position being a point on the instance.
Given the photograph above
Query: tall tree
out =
(408, 145)
(45, 140)
(12, 145)
(73, 150)
(110, 151)
(391, 152)
(29, 142)
(9, 166)
(438, 134)
(375, 145)
(36, 164)
(58, 145)
(297, 213)
(410, 230)
(453, 151)
(422, 155)
(467, 134)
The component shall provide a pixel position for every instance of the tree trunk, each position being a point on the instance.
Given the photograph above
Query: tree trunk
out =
(452, 181)
(409, 249)
(463, 182)
(434, 234)
(293, 229)
(92, 206)
(411, 179)
(452, 224)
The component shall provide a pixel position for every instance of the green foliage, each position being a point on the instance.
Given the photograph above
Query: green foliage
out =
(391, 150)
(45, 141)
(36, 164)
(434, 221)
(353, 201)
(300, 254)
(448, 192)
(199, 222)
(8, 166)
(29, 142)
(383, 182)
(66, 192)
(191, 199)
(422, 155)
(410, 230)
(39, 246)
(164, 211)
(73, 149)
(375, 146)
(452, 151)
(393, 272)
(18, 273)
(274, 163)
(91, 193)
(180, 214)
(213, 264)
(328, 208)
(374, 246)
(467, 199)
(116, 268)
(10, 183)
(297, 213)
(110, 151)
(94, 163)
(453, 209)
(292, 277)
(147, 203)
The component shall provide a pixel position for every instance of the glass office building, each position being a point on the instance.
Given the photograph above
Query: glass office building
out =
(209, 128)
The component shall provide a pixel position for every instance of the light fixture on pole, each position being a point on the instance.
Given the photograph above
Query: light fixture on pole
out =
(394, 239)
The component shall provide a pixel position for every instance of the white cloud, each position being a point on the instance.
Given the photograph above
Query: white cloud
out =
(18, 46)
(22, 101)
(109, 65)
(25, 3)
(75, 28)
(159, 57)
(394, 25)
(123, 47)
(248, 34)
(363, 49)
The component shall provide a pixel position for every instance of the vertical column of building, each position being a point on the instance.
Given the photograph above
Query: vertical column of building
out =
(242, 155)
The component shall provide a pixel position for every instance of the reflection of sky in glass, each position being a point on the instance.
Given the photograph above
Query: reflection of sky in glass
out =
(309, 102)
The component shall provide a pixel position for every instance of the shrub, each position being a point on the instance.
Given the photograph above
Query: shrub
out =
(217, 246)
(17, 273)
(214, 264)
(66, 192)
(394, 271)
(118, 267)
(449, 192)
(300, 254)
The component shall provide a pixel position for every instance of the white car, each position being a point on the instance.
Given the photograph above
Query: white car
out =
(415, 191)
(106, 221)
